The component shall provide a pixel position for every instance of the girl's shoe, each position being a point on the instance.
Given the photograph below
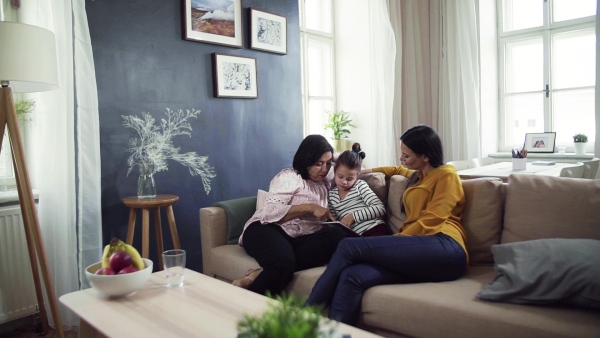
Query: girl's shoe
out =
(248, 278)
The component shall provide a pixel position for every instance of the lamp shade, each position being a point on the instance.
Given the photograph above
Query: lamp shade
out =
(28, 58)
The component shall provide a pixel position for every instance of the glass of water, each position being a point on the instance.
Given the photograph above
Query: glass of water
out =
(174, 262)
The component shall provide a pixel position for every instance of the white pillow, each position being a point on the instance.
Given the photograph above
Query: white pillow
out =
(260, 198)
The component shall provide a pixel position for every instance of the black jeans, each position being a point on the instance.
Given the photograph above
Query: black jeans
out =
(281, 255)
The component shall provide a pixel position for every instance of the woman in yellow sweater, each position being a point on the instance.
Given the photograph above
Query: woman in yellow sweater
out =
(429, 248)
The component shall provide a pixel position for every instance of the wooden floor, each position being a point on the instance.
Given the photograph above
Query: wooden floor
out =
(29, 327)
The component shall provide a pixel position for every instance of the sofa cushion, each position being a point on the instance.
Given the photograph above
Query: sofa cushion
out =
(551, 207)
(396, 217)
(450, 309)
(238, 213)
(547, 271)
(482, 217)
(376, 182)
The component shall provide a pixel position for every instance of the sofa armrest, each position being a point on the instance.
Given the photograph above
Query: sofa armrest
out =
(213, 233)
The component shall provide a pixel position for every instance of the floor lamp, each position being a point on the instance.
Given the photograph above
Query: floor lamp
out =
(28, 64)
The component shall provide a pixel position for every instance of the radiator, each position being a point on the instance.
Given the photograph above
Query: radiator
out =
(17, 290)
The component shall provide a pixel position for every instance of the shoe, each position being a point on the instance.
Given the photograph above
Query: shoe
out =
(248, 278)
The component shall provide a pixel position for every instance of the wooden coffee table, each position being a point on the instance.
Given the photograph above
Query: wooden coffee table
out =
(202, 307)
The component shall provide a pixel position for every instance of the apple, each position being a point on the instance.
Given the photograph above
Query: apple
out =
(128, 269)
(119, 260)
(105, 271)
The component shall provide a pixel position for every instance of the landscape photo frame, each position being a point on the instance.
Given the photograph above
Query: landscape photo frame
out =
(268, 31)
(540, 142)
(234, 76)
(213, 21)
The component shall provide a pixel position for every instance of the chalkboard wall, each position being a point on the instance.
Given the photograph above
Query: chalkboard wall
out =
(143, 65)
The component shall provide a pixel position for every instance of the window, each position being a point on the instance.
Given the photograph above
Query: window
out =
(318, 77)
(547, 54)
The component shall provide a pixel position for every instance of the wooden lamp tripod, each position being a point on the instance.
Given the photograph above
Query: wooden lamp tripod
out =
(28, 64)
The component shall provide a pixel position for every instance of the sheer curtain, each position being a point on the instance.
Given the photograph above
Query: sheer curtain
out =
(437, 82)
(383, 55)
(597, 144)
(66, 153)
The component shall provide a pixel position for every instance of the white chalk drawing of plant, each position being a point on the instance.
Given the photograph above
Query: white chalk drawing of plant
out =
(236, 76)
(269, 32)
(154, 145)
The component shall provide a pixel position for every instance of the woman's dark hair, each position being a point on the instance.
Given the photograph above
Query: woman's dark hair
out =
(423, 140)
(309, 152)
(352, 159)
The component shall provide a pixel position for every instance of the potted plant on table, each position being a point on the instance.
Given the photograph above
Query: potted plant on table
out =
(339, 122)
(580, 141)
(287, 316)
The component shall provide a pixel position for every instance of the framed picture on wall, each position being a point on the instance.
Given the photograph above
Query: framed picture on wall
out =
(213, 21)
(268, 31)
(234, 76)
(540, 142)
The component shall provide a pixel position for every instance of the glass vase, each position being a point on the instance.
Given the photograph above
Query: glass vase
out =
(146, 185)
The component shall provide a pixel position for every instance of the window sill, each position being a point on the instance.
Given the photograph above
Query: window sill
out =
(11, 197)
(567, 157)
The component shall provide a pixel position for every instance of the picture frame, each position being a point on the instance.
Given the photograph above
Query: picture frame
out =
(234, 76)
(213, 21)
(540, 142)
(268, 31)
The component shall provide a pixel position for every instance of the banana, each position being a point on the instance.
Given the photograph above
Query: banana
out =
(136, 260)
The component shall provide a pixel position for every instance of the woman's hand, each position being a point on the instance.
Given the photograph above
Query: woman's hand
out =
(300, 210)
(348, 220)
(322, 214)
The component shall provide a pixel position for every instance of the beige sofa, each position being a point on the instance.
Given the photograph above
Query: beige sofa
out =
(525, 208)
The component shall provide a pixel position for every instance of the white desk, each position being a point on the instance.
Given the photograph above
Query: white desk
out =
(505, 169)
(203, 307)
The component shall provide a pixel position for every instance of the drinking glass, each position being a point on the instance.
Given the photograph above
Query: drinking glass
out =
(174, 262)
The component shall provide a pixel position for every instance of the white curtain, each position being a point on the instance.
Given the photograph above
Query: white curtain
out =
(597, 144)
(65, 164)
(458, 124)
(383, 55)
(438, 78)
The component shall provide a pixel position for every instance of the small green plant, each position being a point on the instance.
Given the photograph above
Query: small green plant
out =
(580, 138)
(24, 108)
(339, 122)
(288, 317)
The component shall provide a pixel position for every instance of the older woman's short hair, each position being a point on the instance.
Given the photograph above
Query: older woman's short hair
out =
(309, 152)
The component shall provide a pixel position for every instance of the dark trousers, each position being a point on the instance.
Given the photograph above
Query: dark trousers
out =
(281, 255)
(362, 262)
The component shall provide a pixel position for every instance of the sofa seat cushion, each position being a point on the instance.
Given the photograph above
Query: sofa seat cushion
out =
(231, 262)
(450, 309)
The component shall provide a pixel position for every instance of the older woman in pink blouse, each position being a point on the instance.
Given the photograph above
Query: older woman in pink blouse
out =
(285, 236)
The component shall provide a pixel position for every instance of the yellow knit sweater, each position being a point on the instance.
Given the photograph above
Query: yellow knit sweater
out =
(434, 204)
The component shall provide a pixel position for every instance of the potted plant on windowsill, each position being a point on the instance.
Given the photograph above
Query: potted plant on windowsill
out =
(580, 141)
(339, 122)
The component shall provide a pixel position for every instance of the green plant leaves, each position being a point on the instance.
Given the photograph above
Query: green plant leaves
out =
(339, 122)
(288, 317)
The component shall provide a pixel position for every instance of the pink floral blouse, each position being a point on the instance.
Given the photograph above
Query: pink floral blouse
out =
(286, 189)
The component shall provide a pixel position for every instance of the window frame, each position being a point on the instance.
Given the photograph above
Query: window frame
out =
(307, 35)
(546, 32)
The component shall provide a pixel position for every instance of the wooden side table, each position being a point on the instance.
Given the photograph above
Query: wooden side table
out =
(146, 204)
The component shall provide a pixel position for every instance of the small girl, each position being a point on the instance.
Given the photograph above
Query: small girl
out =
(352, 201)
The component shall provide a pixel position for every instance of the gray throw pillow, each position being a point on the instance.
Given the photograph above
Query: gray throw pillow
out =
(546, 271)
(238, 213)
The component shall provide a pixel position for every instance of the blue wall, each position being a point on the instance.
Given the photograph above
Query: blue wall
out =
(143, 64)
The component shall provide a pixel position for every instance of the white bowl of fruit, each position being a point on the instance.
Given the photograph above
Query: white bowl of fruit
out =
(121, 272)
